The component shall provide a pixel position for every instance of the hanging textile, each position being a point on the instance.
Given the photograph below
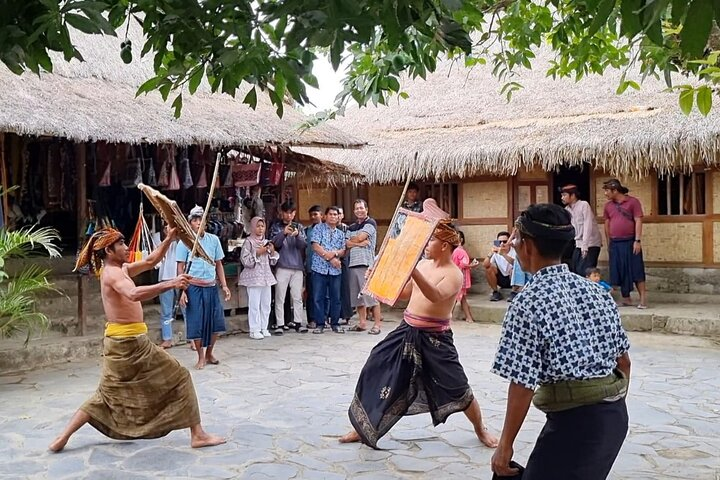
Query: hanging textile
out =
(164, 176)
(187, 180)
(151, 176)
(54, 176)
(133, 168)
(202, 178)
(174, 180)
(271, 174)
(246, 174)
(227, 176)
(141, 243)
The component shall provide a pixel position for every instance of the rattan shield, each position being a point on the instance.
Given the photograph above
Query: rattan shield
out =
(173, 216)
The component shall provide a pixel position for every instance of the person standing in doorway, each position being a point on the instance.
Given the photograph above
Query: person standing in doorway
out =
(204, 313)
(623, 227)
(587, 233)
(316, 217)
(328, 243)
(412, 200)
(288, 237)
(361, 239)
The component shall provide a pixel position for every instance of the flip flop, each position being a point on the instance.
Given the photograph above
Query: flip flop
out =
(374, 331)
(211, 362)
(356, 328)
(642, 307)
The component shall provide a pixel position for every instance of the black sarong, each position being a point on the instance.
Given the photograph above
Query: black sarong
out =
(626, 268)
(411, 371)
(579, 444)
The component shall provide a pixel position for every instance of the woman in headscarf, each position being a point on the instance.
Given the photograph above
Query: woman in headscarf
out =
(257, 256)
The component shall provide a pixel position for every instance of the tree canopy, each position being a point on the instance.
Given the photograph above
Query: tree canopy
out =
(272, 44)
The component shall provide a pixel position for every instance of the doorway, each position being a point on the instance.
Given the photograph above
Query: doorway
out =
(578, 175)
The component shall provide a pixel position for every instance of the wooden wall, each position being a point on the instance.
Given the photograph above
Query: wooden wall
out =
(488, 205)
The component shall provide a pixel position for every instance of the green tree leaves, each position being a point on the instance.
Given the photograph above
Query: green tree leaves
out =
(270, 46)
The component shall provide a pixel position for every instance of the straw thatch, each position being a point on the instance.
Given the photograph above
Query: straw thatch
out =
(95, 100)
(459, 125)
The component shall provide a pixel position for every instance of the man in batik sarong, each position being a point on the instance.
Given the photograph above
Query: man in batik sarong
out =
(563, 348)
(204, 312)
(144, 392)
(416, 368)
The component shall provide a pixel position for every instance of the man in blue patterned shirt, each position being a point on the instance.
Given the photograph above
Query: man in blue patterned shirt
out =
(328, 244)
(563, 348)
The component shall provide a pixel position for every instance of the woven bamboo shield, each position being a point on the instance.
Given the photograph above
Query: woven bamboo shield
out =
(173, 216)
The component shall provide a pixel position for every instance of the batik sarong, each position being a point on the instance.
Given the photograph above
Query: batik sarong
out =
(411, 371)
(204, 314)
(579, 444)
(143, 393)
(626, 268)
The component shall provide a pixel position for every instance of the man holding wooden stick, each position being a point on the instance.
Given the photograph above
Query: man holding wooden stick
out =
(144, 392)
(416, 369)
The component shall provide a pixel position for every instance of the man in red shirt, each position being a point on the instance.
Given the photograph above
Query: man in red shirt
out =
(623, 227)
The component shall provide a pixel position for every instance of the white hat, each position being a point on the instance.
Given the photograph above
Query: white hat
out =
(196, 212)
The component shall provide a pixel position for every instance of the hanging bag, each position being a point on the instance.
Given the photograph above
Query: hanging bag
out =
(174, 183)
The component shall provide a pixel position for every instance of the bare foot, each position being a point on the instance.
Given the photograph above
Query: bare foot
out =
(206, 440)
(58, 444)
(470, 320)
(166, 344)
(350, 437)
(200, 365)
(211, 360)
(192, 347)
(487, 438)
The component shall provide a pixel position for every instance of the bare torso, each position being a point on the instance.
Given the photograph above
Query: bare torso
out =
(419, 305)
(118, 308)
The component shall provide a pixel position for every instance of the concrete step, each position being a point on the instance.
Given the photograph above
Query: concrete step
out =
(683, 319)
(54, 347)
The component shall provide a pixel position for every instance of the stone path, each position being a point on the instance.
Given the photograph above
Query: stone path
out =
(282, 404)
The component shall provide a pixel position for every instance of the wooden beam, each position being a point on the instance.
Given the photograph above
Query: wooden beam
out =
(3, 172)
(81, 194)
(708, 242)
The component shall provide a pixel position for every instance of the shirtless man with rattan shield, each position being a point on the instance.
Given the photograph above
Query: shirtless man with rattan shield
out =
(416, 368)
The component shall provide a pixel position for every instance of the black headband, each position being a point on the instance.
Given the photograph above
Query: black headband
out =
(535, 229)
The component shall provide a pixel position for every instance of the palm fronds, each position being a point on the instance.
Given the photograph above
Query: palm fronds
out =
(18, 311)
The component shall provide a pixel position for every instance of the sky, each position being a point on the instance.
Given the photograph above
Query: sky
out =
(330, 83)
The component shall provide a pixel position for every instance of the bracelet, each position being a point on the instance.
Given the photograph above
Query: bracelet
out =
(637, 241)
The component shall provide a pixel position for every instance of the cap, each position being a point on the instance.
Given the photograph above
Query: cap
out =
(570, 189)
(614, 184)
(196, 212)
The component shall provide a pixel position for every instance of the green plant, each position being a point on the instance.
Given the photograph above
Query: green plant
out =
(18, 293)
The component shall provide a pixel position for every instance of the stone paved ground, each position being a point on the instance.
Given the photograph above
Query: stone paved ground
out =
(282, 403)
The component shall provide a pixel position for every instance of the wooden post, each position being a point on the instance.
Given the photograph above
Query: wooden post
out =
(3, 173)
(82, 283)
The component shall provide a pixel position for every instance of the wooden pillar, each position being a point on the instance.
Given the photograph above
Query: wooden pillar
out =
(3, 177)
(82, 282)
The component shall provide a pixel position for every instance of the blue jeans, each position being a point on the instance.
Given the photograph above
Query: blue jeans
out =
(166, 313)
(326, 297)
(519, 276)
(167, 300)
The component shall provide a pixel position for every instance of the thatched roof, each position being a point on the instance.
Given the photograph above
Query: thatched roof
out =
(459, 125)
(95, 100)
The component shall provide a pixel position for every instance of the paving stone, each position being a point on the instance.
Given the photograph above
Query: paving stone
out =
(272, 471)
(286, 424)
(62, 467)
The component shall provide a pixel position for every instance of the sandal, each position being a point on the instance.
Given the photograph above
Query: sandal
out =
(338, 329)
(374, 331)
(357, 328)
(302, 329)
(319, 330)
